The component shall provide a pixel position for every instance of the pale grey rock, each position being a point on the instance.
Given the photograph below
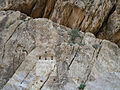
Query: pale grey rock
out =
(108, 59)
(41, 39)
(14, 46)
(109, 81)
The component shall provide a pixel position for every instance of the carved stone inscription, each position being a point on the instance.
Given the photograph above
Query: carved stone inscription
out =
(46, 67)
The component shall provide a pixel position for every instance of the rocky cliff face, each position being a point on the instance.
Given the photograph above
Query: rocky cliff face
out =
(40, 54)
(70, 58)
(100, 17)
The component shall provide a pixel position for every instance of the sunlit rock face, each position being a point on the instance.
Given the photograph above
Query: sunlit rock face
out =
(65, 58)
(109, 81)
(100, 17)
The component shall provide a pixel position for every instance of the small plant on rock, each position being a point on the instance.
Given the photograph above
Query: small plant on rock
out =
(82, 86)
(74, 34)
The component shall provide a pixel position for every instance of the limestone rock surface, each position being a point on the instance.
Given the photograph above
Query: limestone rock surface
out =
(71, 58)
(100, 17)
(111, 81)
(111, 28)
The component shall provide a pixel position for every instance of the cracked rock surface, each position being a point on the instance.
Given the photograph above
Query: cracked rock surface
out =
(100, 17)
(25, 42)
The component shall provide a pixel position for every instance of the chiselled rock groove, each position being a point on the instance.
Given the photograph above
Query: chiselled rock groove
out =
(101, 17)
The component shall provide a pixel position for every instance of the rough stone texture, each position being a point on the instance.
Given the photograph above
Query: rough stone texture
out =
(111, 28)
(24, 41)
(13, 46)
(111, 81)
(96, 16)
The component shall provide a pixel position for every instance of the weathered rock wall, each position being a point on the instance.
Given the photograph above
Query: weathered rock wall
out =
(80, 57)
(13, 46)
(96, 16)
